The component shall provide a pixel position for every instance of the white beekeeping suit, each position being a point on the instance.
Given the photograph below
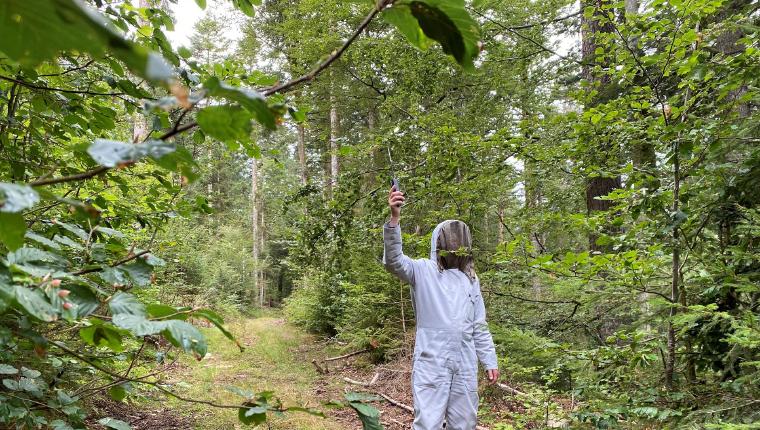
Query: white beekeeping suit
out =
(451, 326)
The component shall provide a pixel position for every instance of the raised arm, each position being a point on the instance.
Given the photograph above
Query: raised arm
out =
(393, 257)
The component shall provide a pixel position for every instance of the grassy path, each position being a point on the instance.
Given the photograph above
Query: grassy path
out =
(271, 361)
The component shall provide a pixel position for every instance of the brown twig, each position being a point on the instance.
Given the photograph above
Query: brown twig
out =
(117, 263)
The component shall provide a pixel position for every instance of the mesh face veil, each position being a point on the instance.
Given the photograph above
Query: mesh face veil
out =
(452, 247)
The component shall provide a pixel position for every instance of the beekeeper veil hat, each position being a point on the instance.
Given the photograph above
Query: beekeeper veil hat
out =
(451, 247)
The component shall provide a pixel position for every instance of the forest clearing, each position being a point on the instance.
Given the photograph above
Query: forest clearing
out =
(379, 214)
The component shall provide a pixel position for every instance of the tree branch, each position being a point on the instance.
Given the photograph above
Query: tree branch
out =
(382, 4)
(59, 90)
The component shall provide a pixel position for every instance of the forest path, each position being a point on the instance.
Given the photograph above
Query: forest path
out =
(274, 359)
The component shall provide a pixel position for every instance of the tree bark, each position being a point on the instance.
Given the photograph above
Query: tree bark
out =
(255, 228)
(334, 136)
(591, 28)
(302, 154)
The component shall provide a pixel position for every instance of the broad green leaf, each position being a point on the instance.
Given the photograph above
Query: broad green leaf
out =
(34, 302)
(42, 240)
(111, 153)
(27, 255)
(245, 6)
(113, 423)
(84, 300)
(402, 18)
(110, 232)
(162, 311)
(12, 230)
(248, 395)
(252, 415)
(102, 334)
(138, 324)
(125, 303)
(6, 369)
(139, 272)
(186, 336)
(32, 31)
(16, 198)
(247, 98)
(369, 415)
(225, 123)
(445, 21)
(201, 3)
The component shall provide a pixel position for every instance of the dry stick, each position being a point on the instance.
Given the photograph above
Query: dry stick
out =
(351, 354)
(396, 403)
(320, 370)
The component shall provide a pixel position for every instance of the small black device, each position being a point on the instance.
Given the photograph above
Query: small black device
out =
(395, 187)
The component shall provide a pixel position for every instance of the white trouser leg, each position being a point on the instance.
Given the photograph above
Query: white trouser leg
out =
(462, 411)
(431, 383)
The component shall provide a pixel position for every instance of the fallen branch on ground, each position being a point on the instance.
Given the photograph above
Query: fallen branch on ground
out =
(320, 370)
(351, 354)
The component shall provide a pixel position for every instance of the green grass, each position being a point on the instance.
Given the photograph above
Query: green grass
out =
(270, 362)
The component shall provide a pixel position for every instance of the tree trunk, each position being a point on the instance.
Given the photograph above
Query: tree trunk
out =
(262, 236)
(591, 28)
(302, 154)
(255, 227)
(334, 136)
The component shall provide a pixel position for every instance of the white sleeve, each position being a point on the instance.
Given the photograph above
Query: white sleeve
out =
(484, 346)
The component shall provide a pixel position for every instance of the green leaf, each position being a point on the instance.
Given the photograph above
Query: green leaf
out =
(84, 300)
(42, 240)
(34, 302)
(16, 198)
(445, 21)
(252, 415)
(248, 395)
(401, 17)
(6, 369)
(217, 320)
(245, 6)
(369, 415)
(163, 311)
(115, 424)
(111, 153)
(125, 303)
(225, 123)
(139, 272)
(180, 160)
(187, 336)
(110, 232)
(12, 230)
(118, 392)
(27, 255)
(102, 334)
(138, 325)
(201, 3)
(184, 52)
(251, 100)
(32, 31)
